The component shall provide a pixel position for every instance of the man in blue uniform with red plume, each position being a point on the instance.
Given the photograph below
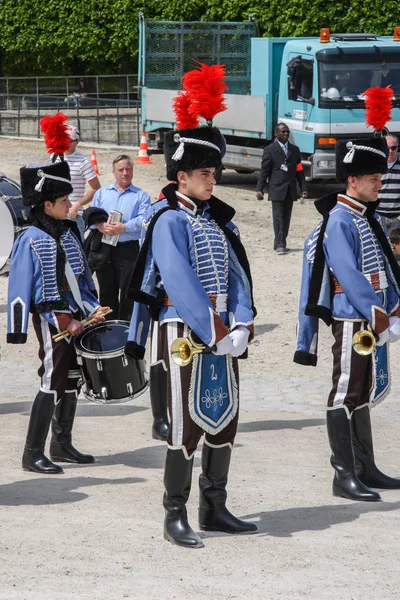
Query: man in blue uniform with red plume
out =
(351, 281)
(193, 277)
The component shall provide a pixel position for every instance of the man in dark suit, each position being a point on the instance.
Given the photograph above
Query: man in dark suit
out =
(281, 167)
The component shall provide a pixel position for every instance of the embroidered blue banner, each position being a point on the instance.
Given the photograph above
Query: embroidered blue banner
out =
(382, 374)
(213, 393)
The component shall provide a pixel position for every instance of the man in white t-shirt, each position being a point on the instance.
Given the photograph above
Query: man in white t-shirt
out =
(82, 171)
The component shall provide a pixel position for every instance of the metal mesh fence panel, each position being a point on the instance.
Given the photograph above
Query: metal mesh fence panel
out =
(173, 47)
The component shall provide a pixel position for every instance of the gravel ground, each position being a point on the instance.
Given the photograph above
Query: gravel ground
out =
(96, 531)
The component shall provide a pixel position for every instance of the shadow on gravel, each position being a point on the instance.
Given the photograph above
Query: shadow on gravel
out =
(261, 329)
(276, 425)
(8, 408)
(285, 523)
(83, 410)
(107, 410)
(53, 490)
(150, 457)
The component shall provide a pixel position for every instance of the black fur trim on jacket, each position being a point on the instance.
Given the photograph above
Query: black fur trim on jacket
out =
(305, 358)
(312, 308)
(55, 228)
(50, 306)
(134, 290)
(17, 338)
(324, 206)
(133, 350)
(221, 212)
(70, 224)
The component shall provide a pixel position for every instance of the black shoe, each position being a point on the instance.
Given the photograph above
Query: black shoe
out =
(223, 520)
(33, 458)
(159, 430)
(213, 514)
(345, 483)
(178, 531)
(36, 461)
(65, 452)
(61, 448)
(366, 469)
(159, 402)
(177, 481)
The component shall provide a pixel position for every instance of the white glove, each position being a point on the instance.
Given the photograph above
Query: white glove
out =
(383, 337)
(224, 346)
(240, 339)
(394, 329)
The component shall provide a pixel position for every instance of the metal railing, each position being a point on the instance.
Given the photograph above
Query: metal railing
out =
(100, 119)
(122, 87)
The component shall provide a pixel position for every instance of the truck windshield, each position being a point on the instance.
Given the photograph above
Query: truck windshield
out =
(342, 84)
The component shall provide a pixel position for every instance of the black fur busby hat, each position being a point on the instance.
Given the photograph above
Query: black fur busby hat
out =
(364, 156)
(45, 182)
(196, 148)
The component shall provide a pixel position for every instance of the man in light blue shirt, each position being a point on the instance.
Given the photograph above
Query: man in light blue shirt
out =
(133, 203)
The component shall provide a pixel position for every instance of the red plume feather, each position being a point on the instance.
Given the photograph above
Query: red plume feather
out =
(184, 119)
(206, 86)
(378, 104)
(56, 137)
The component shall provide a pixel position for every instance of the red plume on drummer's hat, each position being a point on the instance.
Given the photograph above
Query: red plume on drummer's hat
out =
(205, 87)
(56, 137)
(378, 104)
(184, 119)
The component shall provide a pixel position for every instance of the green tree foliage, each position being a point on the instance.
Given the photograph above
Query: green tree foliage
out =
(97, 36)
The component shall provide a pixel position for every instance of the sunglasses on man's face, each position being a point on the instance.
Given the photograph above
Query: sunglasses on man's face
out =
(393, 147)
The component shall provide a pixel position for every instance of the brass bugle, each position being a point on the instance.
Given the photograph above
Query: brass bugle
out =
(183, 350)
(364, 342)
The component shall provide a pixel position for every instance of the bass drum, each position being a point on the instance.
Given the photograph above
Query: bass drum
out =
(109, 375)
(14, 219)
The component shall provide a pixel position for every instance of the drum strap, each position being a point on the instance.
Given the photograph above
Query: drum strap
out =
(73, 286)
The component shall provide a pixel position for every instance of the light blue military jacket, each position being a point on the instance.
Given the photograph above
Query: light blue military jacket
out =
(33, 284)
(202, 281)
(357, 284)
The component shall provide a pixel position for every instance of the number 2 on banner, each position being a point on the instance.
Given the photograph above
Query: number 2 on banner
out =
(214, 377)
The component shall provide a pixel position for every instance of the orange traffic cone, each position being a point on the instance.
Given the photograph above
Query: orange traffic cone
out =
(93, 160)
(143, 157)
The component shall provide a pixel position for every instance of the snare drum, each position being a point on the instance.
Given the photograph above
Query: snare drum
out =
(109, 375)
(14, 219)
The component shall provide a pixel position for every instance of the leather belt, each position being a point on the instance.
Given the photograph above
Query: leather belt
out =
(218, 301)
(378, 281)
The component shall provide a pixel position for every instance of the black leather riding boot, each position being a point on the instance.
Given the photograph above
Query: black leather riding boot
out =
(345, 483)
(61, 448)
(366, 469)
(159, 402)
(213, 514)
(177, 481)
(33, 458)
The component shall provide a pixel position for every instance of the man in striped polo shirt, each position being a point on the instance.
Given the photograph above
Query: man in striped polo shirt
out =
(81, 171)
(389, 195)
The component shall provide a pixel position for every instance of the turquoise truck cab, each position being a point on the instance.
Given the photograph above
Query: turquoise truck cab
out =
(315, 87)
(321, 96)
